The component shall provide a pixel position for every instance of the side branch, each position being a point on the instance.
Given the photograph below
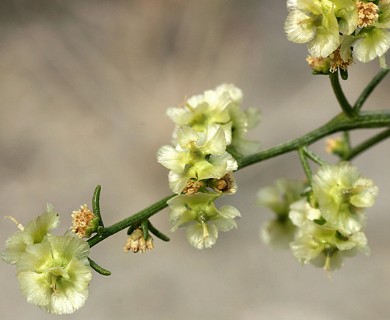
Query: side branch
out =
(370, 87)
(127, 222)
(367, 144)
(368, 119)
(342, 122)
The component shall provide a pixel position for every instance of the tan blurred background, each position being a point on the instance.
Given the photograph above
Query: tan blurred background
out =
(84, 86)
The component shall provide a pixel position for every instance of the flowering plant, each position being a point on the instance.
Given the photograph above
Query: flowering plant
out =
(320, 218)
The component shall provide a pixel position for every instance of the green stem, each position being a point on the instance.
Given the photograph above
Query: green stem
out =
(305, 164)
(347, 139)
(145, 228)
(370, 87)
(365, 120)
(134, 219)
(314, 157)
(368, 119)
(367, 144)
(344, 104)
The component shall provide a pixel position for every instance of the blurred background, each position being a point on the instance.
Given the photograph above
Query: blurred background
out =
(84, 88)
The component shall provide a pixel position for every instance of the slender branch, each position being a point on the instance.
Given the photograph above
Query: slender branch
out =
(370, 87)
(347, 139)
(368, 119)
(367, 144)
(134, 219)
(314, 157)
(305, 164)
(344, 104)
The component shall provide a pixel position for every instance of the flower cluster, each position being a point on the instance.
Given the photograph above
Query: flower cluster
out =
(337, 32)
(279, 232)
(201, 168)
(53, 271)
(329, 222)
(136, 242)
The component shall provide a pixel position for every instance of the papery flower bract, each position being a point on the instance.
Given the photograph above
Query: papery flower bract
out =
(278, 233)
(33, 233)
(301, 211)
(198, 213)
(313, 22)
(325, 247)
(341, 194)
(235, 94)
(198, 155)
(371, 43)
(280, 195)
(206, 109)
(242, 121)
(222, 107)
(347, 15)
(55, 274)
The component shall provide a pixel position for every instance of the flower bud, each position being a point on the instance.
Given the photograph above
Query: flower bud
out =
(337, 146)
(319, 65)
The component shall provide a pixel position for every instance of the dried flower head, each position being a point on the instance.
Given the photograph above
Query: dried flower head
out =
(337, 61)
(84, 222)
(367, 13)
(226, 184)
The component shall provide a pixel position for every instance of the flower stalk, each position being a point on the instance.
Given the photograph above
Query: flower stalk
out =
(344, 104)
(132, 220)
